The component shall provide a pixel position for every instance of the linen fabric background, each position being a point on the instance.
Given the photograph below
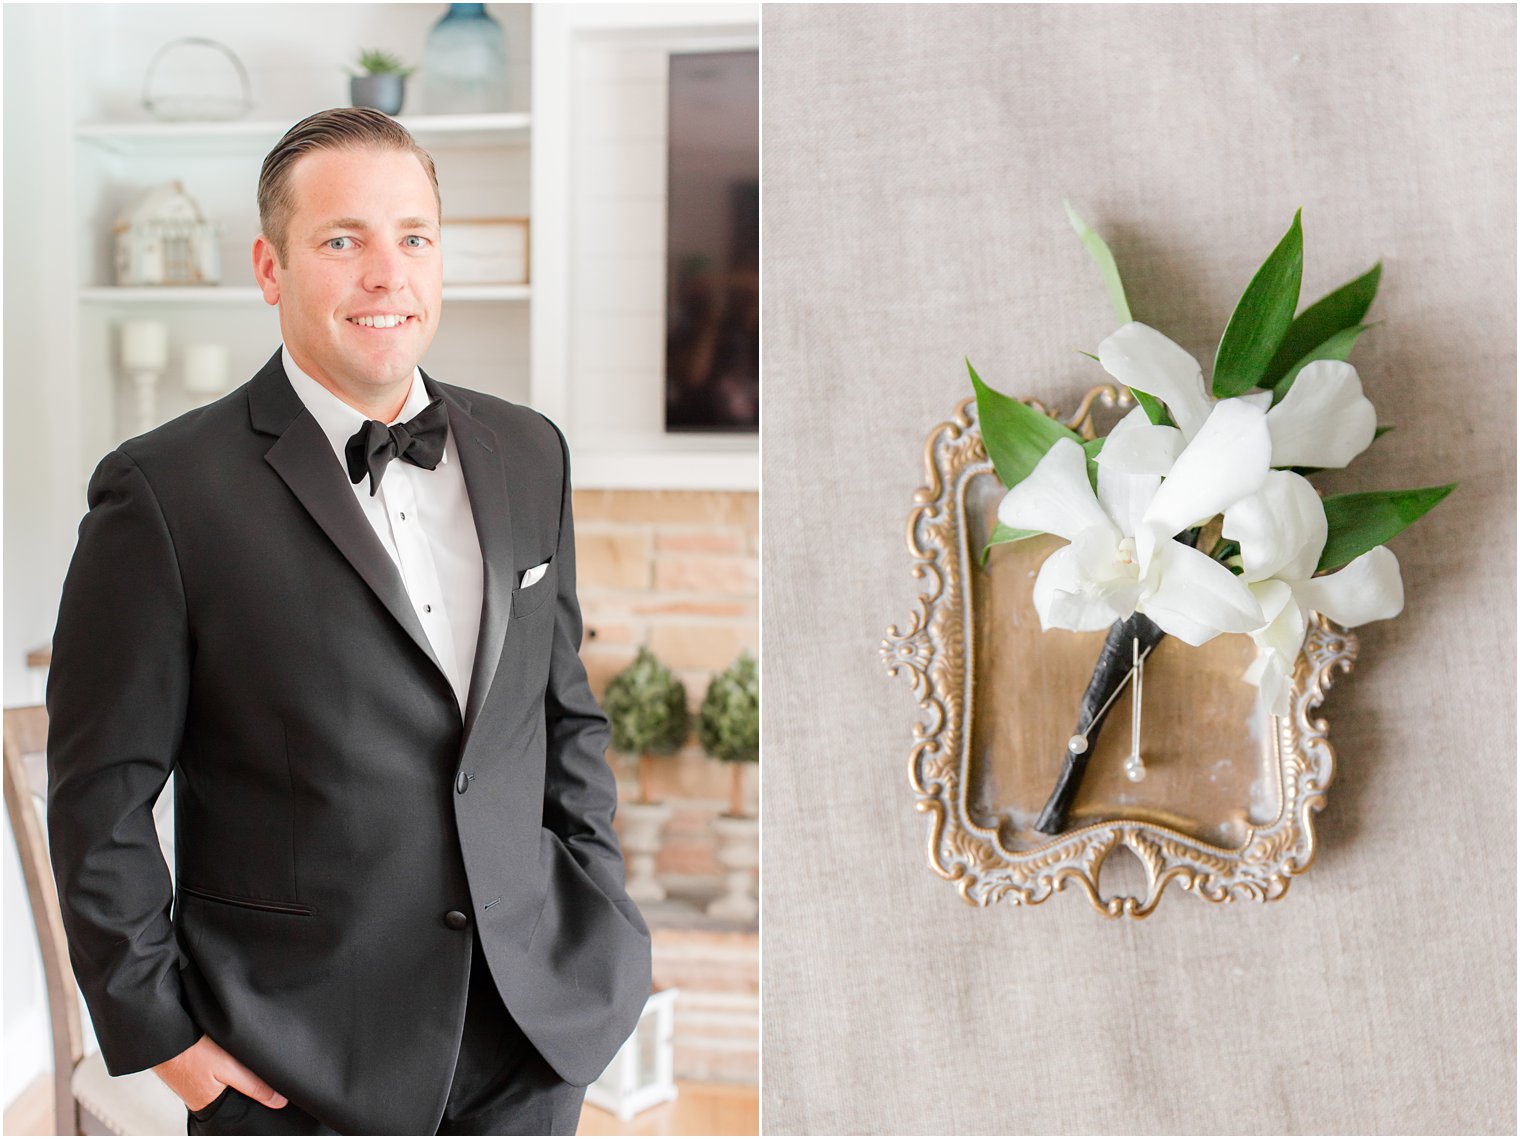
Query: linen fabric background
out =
(915, 159)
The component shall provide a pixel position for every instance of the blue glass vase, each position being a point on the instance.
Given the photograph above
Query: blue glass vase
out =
(465, 68)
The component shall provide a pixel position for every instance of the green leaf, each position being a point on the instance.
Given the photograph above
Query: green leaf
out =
(1360, 522)
(1154, 410)
(1093, 447)
(1002, 535)
(1336, 311)
(1016, 436)
(1262, 317)
(1338, 347)
(1098, 250)
(1380, 432)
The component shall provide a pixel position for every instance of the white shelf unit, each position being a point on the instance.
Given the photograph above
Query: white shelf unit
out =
(160, 138)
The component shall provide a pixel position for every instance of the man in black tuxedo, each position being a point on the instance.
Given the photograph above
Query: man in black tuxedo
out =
(339, 604)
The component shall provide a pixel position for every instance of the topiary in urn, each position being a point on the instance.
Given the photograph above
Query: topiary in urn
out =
(647, 707)
(728, 724)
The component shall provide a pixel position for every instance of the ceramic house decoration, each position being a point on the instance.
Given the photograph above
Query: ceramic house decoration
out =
(165, 239)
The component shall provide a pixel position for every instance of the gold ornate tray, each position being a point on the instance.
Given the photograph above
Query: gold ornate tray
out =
(1226, 807)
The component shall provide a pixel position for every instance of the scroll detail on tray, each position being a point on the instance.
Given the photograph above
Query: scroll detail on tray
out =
(1193, 517)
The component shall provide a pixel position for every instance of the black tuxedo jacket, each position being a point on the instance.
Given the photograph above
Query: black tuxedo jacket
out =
(230, 616)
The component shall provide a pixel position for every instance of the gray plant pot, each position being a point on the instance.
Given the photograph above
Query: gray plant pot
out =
(382, 92)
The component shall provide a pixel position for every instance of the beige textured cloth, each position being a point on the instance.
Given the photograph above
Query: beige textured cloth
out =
(914, 165)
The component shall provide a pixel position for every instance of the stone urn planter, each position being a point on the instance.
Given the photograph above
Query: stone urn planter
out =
(643, 834)
(739, 854)
(729, 728)
(646, 706)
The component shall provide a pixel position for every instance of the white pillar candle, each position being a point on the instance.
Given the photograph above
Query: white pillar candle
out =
(144, 345)
(206, 368)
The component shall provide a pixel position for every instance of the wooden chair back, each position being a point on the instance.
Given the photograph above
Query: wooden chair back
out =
(25, 792)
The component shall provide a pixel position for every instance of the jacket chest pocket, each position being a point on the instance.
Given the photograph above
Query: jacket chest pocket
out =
(529, 598)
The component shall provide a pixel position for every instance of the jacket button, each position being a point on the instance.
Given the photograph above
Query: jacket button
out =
(456, 920)
(462, 784)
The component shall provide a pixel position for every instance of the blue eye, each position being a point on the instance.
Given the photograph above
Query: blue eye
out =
(334, 242)
(416, 241)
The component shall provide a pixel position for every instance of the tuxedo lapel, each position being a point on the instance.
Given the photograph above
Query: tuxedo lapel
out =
(303, 457)
(485, 481)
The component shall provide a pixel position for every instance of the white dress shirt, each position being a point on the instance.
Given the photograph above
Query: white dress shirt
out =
(423, 520)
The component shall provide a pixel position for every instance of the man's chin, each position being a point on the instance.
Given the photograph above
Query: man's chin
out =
(389, 367)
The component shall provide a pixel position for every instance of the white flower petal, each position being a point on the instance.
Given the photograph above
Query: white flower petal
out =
(1063, 597)
(1126, 497)
(1273, 674)
(1141, 358)
(1195, 598)
(1324, 420)
(1272, 595)
(1106, 572)
(1286, 623)
(1225, 462)
(1136, 446)
(1369, 589)
(1055, 497)
(1281, 528)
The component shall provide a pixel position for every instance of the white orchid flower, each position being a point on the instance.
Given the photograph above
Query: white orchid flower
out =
(1123, 557)
(1281, 530)
(1323, 421)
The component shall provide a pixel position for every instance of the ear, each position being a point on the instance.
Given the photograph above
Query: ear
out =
(264, 265)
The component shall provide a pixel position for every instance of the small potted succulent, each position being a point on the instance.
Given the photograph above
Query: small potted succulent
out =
(380, 82)
(728, 727)
(646, 705)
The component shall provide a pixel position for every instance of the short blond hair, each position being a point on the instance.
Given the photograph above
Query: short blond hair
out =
(342, 128)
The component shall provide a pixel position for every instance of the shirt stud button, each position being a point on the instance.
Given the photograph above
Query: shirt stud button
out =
(427, 608)
(454, 919)
(462, 784)
(403, 515)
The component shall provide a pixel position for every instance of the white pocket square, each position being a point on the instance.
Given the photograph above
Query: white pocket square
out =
(530, 577)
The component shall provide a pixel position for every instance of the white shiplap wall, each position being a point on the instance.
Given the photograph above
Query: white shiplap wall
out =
(600, 102)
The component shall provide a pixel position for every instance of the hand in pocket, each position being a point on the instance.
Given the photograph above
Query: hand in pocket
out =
(202, 1073)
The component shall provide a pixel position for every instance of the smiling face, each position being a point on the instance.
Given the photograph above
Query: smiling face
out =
(362, 283)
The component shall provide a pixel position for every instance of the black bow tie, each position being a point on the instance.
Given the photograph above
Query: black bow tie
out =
(419, 440)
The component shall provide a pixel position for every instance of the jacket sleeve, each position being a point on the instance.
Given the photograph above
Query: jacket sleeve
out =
(580, 791)
(116, 697)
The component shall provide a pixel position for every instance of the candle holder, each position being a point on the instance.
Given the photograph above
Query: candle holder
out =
(144, 356)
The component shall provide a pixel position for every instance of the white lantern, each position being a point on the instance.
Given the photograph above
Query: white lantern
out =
(642, 1074)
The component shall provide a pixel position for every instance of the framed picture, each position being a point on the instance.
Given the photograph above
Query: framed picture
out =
(1227, 809)
(485, 251)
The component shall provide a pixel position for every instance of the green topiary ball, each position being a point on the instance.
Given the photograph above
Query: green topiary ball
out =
(729, 723)
(647, 707)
